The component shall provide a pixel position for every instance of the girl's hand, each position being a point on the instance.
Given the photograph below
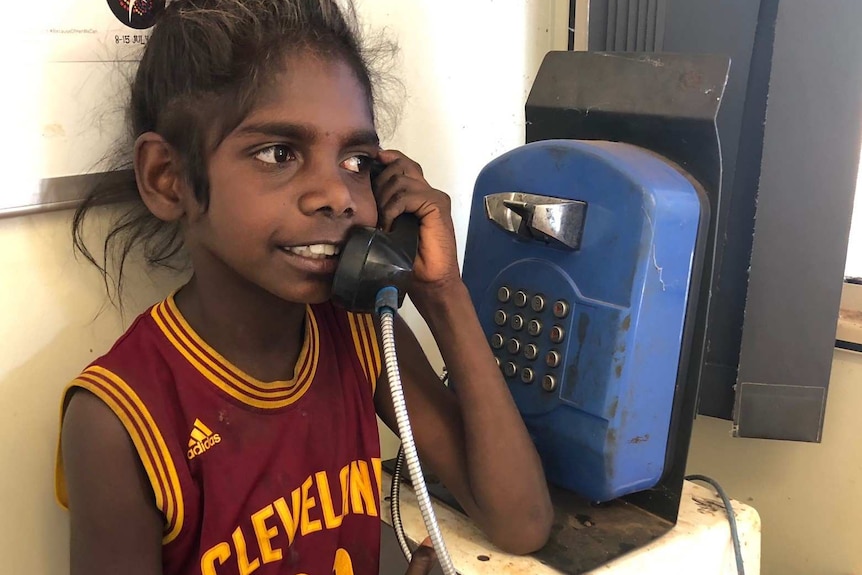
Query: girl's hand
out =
(424, 559)
(400, 188)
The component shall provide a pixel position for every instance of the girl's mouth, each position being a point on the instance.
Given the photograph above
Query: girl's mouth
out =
(315, 251)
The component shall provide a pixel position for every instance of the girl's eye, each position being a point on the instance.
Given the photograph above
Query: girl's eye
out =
(276, 154)
(357, 164)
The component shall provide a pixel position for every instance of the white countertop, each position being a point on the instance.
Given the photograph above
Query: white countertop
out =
(699, 543)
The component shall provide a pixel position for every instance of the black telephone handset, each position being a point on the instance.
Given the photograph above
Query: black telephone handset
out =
(372, 259)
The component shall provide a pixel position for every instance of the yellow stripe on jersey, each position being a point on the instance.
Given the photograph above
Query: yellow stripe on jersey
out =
(148, 441)
(365, 343)
(230, 379)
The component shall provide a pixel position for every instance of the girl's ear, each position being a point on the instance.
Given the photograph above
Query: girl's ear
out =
(158, 171)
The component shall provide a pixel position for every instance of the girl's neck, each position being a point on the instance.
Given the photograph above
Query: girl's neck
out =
(258, 332)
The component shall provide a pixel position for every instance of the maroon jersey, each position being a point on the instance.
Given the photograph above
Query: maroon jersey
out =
(272, 478)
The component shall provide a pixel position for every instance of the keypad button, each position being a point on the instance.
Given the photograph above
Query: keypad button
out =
(527, 375)
(500, 317)
(497, 341)
(513, 346)
(510, 369)
(520, 298)
(517, 322)
(557, 334)
(537, 303)
(503, 294)
(531, 351)
(549, 383)
(497, 360)
(534, 328)
(553, 358)
(561, 309)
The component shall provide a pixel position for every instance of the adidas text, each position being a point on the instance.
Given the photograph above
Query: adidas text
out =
(202, 446)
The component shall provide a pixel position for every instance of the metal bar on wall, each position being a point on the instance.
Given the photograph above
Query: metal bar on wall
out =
(620, 35)
(651, 23)
(66, 192)
(628, 25)
(632, 26)
(660, 20)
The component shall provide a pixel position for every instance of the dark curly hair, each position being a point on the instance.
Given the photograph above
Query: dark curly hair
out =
(203, 68)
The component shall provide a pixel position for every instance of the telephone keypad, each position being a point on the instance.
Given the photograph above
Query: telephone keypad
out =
(517, 322)
(497, 341)
(557, 334)
(538, 303)
(561, 309)
(544, 322)
(513, 346)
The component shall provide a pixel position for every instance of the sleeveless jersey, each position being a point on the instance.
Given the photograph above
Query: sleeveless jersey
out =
(252, 477)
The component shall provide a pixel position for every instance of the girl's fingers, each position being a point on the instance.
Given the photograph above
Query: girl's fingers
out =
(402, 194)
(401, 187)
(398, 163)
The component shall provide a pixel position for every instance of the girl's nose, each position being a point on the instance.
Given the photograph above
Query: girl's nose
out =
(328, 193)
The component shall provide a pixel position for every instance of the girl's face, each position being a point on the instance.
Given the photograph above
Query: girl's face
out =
(288, 183)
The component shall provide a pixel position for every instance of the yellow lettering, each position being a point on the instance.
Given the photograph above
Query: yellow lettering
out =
(289, 517)
(344, 478)
(330, 519)
(361, 490)
(378, 471)
(220, 553)
(307, 526)
(245, 568)
(264, 535)
(343, 565)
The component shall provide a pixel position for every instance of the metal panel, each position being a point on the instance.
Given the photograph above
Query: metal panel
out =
(804, 204)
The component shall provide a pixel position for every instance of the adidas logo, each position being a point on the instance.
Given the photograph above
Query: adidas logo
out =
(201, 439)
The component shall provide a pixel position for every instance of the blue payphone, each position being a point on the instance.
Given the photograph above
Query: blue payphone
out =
(580, 258)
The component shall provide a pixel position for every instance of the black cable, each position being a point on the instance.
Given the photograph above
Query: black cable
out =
(395, 506)
(731, 518)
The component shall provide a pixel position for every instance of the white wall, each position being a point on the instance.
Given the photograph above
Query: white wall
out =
(466, 67)
(51, 328)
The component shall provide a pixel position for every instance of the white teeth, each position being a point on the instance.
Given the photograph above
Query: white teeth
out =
(315, 251)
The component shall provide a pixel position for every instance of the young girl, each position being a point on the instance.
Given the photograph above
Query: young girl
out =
(232, 428)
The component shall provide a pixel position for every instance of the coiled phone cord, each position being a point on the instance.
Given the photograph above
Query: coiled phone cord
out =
(387, 328)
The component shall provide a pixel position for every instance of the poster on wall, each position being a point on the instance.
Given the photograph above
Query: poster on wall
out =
(77, 58)
(99, 30)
